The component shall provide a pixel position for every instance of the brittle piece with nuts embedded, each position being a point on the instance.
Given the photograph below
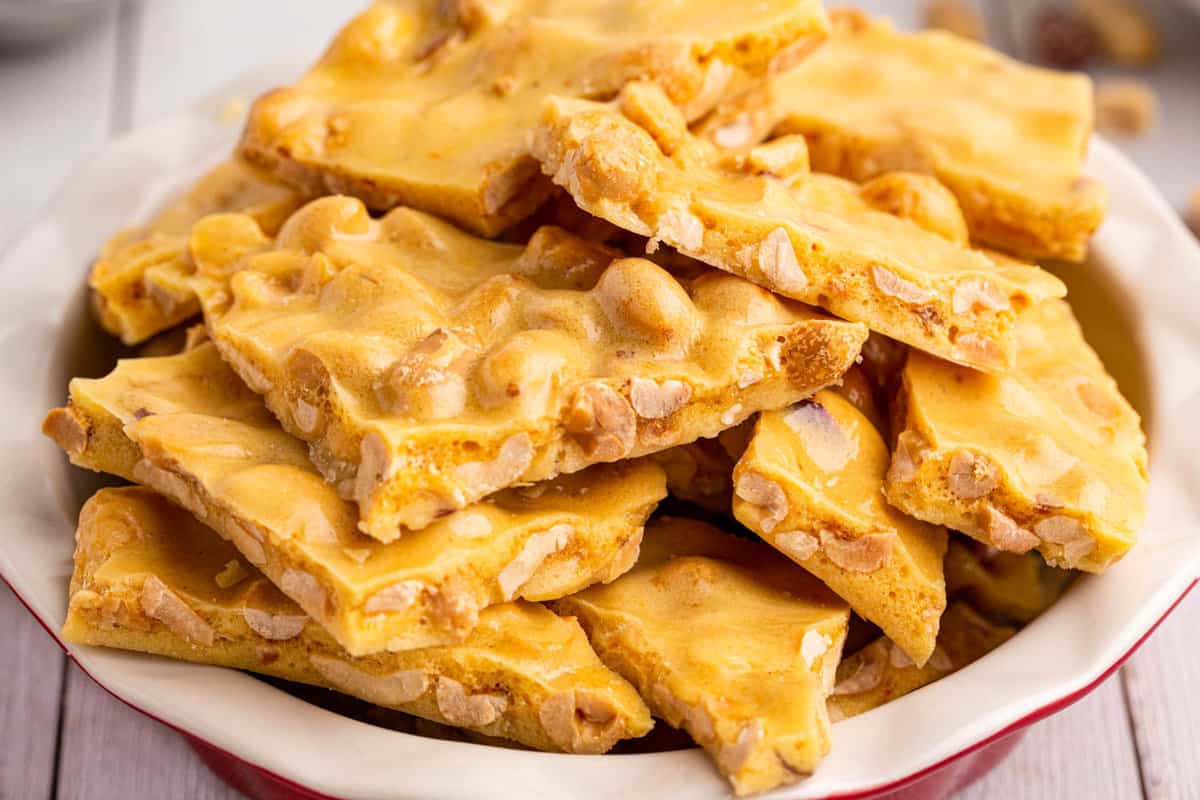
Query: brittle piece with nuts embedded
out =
(811, 484)
(145, 580)
(702, 472)
(430, 104)
(1013, 587)
(429, 369)
(882, 671)
(879, 254)
(186, 426)
(1050, 456)
(959, 17)
(139, 284)
(727, 640)
(1125, 30)
(1006, 138)
(1126, 107)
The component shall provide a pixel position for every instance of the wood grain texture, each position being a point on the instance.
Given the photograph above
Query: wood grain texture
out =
(32, 666)
(1086, 751)
(1162, 685)
(111, 751)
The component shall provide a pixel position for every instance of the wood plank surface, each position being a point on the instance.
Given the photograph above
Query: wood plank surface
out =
(111, 751)
(1086, 751)
(32, 666)
(1162, 685)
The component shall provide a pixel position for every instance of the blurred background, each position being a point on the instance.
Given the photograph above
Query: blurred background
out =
(75, 73)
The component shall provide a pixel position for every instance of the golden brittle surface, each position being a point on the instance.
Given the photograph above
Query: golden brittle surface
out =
(727, 640)
(1050, 456)
(140, 281)
(813, 237)
(149, 577)
(428, 368)
(882, 671)
(811, 484)
(1008, 139)
(185, 426)
(430, 104)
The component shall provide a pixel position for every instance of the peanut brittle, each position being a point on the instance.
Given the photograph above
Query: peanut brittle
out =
(702, 472)
(140, 283)
(1050, 456)
(187, 427)
(428, 368)
(1013, 587)
(727, 640)
(430, 104)
(882, 671)
(149, 577)
(1006, 138)
(811, 237)
(811, 484)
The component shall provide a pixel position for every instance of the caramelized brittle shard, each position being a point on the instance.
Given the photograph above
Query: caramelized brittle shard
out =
(1050, 456)
(882, 671)
(727, 640)
(811, 484)
(1014, 587)
(187, 427)
(140, 283)
(428, 368)
(149, 577)
(890, 254)
(419, 104)
(1006, 138)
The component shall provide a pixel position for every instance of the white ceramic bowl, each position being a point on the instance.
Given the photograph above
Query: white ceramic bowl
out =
(1139, 303)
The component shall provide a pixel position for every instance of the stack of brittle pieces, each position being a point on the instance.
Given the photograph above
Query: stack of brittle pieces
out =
(497, 278)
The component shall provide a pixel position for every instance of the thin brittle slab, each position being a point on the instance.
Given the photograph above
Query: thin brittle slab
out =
(882, 671)
(1013, 587)
(1006, 138)
(890, 254)
(1050, 456)
(140, 283)
(430, 104)
(149, 577)
(187, 427)
(727, 640)
(811, 484)
(428, 368)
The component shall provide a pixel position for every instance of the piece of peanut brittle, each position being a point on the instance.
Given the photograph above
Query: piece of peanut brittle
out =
(1013, 587)
(140, 283)
(187, 427)
(1050, 456)
(149, 577)
(1006, 138)
(428, 368)
(882, 671)
(811, 484)
(890, 254)
(430, 104)
(727, 640)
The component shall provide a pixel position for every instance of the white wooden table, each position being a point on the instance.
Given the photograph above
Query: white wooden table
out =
(61, 736)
